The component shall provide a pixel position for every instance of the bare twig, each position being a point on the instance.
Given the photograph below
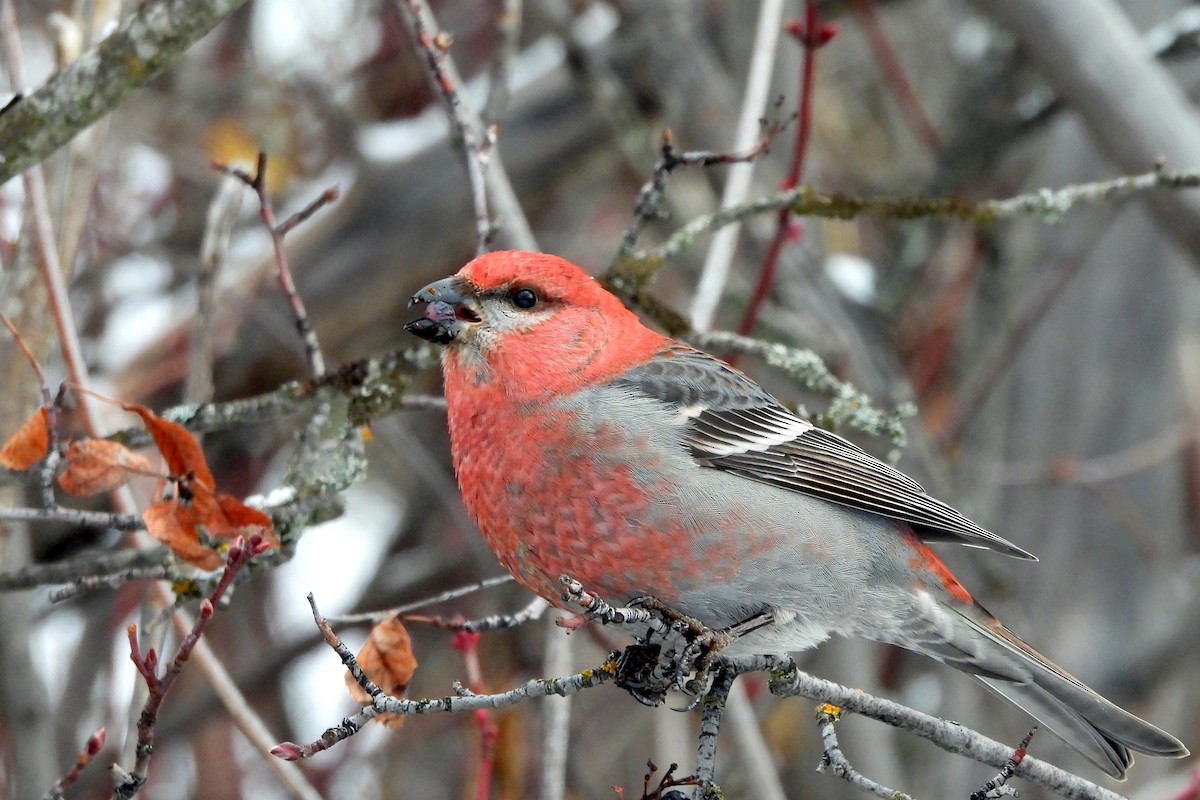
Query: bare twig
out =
(787, 681)
(89, 583)
(834, 759)
(495, 202)
(762, 775)
(531, 612)
(648, 205)
(128, 784)
(43, 229)
(450, 594)
(93, 564)
(467, 643)
(991, 787)
(541, 687)
(556, 719)
(218, 230)
(258, 182)
(74, 516)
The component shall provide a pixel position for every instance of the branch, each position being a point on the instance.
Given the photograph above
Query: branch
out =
(129, 783)
(283, 272)
(787, 681)
(147, 42)
(495, 201)
(835, 760)
(1050, 205)
(382, 703)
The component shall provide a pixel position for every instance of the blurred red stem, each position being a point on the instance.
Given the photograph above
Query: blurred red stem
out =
(893, 74)
(467, 643)
(811, 38)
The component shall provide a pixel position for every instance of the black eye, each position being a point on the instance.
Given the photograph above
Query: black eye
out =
(524, 298)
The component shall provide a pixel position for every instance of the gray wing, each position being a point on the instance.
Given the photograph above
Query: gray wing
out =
(735, 425)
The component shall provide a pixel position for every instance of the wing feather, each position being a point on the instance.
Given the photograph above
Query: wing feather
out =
(732, 424)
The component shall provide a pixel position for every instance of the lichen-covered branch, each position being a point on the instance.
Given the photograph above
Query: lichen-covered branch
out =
(1049, 205)
(147, 42)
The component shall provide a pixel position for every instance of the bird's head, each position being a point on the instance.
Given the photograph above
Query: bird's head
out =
(529, 312)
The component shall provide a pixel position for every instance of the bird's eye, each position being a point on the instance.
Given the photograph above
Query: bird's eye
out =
(524, 298)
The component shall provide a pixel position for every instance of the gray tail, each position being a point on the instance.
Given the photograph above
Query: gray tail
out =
(1101, 731)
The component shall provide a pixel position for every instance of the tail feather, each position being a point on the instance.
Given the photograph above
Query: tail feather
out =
(1098, 729)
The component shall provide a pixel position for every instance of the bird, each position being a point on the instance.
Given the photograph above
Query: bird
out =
(589, 445)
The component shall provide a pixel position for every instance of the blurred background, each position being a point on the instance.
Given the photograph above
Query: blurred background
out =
(1055, 366)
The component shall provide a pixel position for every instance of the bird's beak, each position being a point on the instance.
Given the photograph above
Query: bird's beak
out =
(446, 310)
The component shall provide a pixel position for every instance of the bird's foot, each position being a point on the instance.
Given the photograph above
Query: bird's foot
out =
(644, 669)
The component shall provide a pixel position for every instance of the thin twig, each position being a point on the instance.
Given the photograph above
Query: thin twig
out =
(788, 681)
(49, 409)
(834, 759)
(451, 594)
(762, 774)
(239, 555)
(556, 718)
(496, 622)
(86, 566)
(114, 580)
(992, 788)
(214, 246)
(43, 228)
(467, 643)
(541, 687)
(283, 272)
(648, 206)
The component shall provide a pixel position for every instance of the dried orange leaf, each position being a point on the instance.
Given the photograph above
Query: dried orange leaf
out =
(174, 524)
(178, 446)
(98, 465)
(244, 520)
(28, 445)
(387, 659)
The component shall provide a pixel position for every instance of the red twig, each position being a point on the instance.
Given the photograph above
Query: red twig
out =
(894, 75)
(257, 182)
(467, 643)
(1007, 770)
(94, 743)
(1192, 790)
(239, 554)
(812, 35)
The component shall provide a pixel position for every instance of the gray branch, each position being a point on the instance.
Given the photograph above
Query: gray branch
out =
(147, 42)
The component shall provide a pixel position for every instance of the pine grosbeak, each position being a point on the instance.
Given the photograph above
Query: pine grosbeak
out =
(588, 445)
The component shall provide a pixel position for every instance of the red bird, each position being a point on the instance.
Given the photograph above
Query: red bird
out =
(588, 445)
